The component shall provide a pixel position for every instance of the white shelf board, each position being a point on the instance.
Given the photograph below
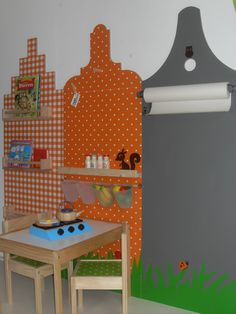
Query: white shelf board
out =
(45, 113)
(99, 172)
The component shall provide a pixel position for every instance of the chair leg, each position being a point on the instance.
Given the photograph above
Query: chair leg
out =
(69, 271)
(8, 278)
(81, 301)
(73, 295)
(38, 293)
(124, 301)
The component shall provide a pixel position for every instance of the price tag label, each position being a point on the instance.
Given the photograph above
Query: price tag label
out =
(76, 96)
(75, 99)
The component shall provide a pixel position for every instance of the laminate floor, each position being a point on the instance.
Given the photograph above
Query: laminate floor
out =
(95, 302)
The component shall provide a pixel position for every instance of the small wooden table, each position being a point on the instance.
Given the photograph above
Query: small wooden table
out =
(61, 251)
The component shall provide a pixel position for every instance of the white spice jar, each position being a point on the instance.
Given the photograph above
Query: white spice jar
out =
(94, 161)
(87, 161)
(100, 162)
(106, 162)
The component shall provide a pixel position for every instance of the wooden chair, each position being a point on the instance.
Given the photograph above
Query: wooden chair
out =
(24, 266)
(109, 274)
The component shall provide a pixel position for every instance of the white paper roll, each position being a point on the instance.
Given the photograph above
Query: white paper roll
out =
(186, 92)
(210, 97)
(191, 106)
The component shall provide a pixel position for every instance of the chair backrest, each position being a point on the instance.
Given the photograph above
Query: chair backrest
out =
(18, 223)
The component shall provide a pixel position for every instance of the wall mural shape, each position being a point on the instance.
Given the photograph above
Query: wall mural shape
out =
(103, 116)
(32, 191)
(189, 182)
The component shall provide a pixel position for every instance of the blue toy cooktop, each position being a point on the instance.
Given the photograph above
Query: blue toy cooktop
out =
(64, 230)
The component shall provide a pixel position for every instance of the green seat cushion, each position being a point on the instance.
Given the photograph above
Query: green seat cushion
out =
(101, 268)
(28, 261)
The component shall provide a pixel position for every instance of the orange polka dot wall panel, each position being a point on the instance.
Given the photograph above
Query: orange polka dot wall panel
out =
(36, 191)
(103, 116)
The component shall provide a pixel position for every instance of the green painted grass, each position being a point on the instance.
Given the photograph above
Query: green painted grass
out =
(234, 2)
(195, 290)
(204, 292)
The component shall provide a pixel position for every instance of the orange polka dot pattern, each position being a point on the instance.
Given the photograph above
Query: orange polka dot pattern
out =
(107, 119)
(36, 191)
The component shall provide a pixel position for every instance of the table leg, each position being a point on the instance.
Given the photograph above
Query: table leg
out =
(38, 293)
(8, 278)
(58, 287)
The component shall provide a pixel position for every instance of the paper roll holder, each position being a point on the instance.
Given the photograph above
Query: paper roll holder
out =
(146, 107)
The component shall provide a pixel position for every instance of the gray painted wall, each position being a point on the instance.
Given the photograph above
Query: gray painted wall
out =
(189, 166)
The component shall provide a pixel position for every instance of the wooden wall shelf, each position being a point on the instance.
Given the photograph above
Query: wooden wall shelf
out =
(9, 212)
(42, 165)
(99, 172)
(45, 113)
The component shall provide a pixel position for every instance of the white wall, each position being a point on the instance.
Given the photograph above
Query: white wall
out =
(142, 33)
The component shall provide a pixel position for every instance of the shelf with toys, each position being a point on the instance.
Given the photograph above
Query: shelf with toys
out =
(23, 156)
(27, 103)
(41, 165)
(107, 191)
(100, 166)
(44, 113)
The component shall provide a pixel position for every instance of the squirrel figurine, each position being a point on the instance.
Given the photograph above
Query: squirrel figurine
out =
(134, 158)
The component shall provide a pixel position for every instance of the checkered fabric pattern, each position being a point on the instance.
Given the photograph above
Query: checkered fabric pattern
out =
(35, 191)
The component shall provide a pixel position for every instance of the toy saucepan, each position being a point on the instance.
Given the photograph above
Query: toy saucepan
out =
(66, 212)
